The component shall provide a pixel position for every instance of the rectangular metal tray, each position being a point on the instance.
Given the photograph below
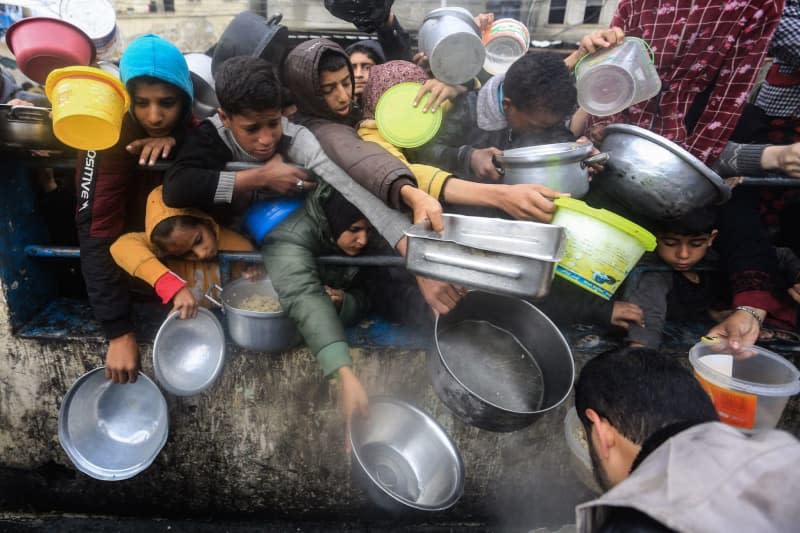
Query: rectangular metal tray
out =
(504, 256)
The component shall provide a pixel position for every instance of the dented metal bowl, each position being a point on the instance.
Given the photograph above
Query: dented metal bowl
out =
(404, 459)
(188, 355)
(655, 177)
(111, 431)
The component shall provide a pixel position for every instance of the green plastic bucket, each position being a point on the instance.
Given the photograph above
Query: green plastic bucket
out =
(602, 247)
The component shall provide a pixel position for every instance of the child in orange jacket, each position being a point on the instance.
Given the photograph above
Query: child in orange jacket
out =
(188, 240)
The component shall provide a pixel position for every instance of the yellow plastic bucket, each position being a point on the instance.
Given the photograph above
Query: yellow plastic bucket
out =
(602, 247)
(88, 107)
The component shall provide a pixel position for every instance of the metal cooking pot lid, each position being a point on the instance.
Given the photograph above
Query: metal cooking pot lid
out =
(548, 152)
(713, 177)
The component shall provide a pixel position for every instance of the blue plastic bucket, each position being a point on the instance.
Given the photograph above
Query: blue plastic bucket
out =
(262, 217)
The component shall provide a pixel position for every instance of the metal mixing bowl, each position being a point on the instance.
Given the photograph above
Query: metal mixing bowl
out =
(655, 177)
(188, 354)
(112, 432)
(204, 102)
(404, 458)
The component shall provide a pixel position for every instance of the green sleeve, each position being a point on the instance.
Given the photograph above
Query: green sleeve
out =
(293, 271)
(355, 306)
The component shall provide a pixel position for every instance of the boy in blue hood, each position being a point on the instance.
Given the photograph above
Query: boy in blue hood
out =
(113, 186)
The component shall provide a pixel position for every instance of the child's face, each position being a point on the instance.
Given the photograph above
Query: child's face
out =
(193, 243)
(257, 132)
(361, 65)
(683, 252)
(337, 89)
(354, 238)
(157, 107)
(529, 122)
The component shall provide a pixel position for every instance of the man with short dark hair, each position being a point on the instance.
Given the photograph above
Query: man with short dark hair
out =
(665, 460)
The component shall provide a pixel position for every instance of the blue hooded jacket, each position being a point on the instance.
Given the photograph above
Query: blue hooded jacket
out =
(151, 55)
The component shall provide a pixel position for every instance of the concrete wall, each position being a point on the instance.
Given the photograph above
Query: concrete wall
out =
(266, 440)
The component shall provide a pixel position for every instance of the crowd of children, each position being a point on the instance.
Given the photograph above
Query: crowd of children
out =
(362, 192)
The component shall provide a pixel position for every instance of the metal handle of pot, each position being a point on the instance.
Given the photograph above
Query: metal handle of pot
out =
(472, 265)
(597, 159)
(275, 19)
(25, 113)
(211, 299)
(498, 166)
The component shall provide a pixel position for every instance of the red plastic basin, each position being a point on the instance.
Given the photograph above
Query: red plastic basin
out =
(41, 45)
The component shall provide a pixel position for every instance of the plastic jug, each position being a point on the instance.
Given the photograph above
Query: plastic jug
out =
(615, 78)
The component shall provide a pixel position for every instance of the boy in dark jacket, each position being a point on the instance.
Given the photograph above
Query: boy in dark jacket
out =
(319, 75)
(685, 293)
(249, 127)
(534, 100)
(112, 185)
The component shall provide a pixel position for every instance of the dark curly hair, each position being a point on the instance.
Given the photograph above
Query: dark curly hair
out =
(331, 61)
(541, 81)
(246, 83)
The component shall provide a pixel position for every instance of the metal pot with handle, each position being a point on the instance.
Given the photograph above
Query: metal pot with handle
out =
(261, 331)
(560, 166)
(499, 362)
(27, 127)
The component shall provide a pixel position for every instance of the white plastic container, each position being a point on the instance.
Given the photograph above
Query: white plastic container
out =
(602, 247)
(749, 390)
(98, 20)
(506, 40)
(452, 41)
(613, 79)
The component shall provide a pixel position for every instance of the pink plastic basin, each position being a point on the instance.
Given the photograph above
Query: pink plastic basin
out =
(41, 45)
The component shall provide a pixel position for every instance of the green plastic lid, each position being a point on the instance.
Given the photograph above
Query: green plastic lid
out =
(647, 239)
(402, 124)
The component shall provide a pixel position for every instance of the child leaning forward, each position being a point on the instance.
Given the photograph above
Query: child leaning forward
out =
(188, 241)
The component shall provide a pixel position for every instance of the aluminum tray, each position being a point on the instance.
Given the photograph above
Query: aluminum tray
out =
(503, 256)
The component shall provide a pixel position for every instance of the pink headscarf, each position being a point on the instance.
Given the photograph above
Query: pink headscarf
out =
(385, 76)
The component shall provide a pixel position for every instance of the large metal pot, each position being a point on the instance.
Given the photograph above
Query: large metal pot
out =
(260, 331)
(405, 460)
(499, 362)
(452, 41)
(655, 177)
(27, 127)
(560, 166)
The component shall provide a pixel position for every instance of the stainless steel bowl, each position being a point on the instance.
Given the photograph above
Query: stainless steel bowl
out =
(112, 432)
(405, 459)
(188, 355)
(655, 177)
(205, 101)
